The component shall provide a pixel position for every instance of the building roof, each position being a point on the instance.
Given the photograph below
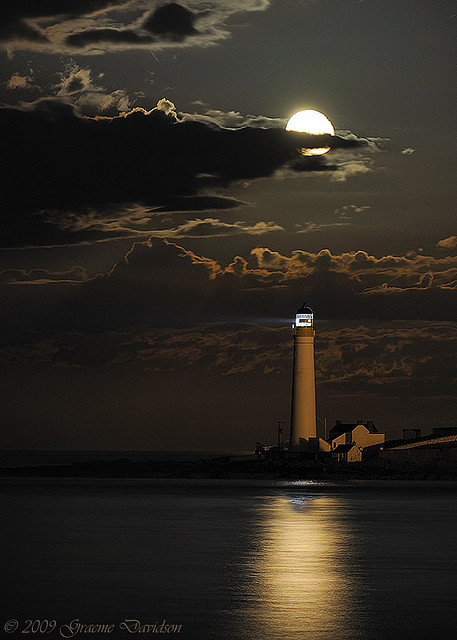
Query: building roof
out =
(343, 448)
(430, 440)
(340, 428)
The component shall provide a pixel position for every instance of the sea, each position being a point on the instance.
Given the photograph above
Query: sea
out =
(43, 457)
(228, 559)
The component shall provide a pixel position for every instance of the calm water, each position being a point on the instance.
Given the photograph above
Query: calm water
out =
(241, 560)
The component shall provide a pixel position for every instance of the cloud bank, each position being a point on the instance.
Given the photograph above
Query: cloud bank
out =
(101, 26)
(160, 283)
(374, 358)
(155, 159)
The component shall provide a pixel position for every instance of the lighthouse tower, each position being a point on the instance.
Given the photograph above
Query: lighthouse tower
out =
(303, 411)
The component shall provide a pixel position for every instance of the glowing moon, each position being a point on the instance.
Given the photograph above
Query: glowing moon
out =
(314, 122)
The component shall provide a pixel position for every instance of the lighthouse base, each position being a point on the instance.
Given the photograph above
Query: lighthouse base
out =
(312, 445)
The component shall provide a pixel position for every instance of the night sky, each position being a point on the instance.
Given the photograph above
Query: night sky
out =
(159, 227)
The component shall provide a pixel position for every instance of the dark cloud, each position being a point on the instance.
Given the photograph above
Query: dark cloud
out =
(235, 119)
(107, 25)
(139, 222)
(82, 39)
(386, 358)
(160, 283)
(200, 203)
(164, 282)
(380, 358)
(171, 21)
(80, 87)
(213, 228)
(15, 16)
(59, 160)
(313, 163)
(41, 276)
(16, 29)
(377, 358)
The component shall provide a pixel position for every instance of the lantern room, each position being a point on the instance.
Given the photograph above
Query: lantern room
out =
(303, 317)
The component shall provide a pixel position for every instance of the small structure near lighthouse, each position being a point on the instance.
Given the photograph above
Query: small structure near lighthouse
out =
(303, 428)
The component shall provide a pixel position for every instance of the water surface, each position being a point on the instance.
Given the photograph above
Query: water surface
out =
(246, 560)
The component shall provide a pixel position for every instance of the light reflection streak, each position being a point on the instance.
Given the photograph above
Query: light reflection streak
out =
(301, 583)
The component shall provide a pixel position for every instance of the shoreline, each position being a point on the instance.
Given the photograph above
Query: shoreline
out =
(224, 468)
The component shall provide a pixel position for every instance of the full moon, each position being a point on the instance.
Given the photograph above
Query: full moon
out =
(314, 122)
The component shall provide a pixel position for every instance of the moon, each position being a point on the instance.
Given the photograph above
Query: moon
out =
(314, 122)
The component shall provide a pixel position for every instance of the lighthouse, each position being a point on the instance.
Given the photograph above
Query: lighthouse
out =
(303, 433)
